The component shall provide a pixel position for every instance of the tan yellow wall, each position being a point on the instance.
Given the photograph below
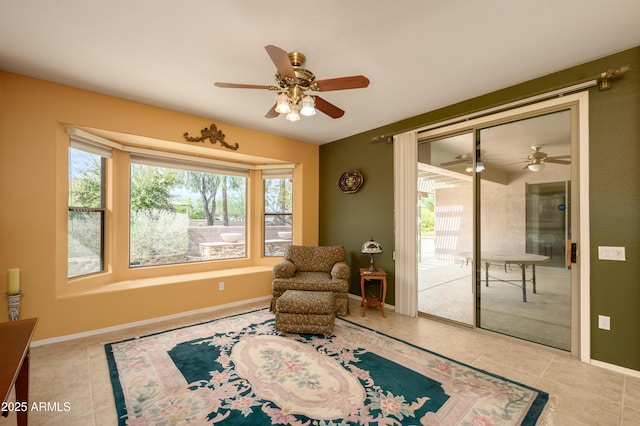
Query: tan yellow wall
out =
(33, 176)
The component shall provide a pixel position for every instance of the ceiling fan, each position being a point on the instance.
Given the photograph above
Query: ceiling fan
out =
(292, 83)
(462, 158)
(468, 160)
(537, 159)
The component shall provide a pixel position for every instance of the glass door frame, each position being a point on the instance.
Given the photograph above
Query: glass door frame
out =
(578, 105)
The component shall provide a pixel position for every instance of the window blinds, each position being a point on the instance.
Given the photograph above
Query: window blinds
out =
(278, 173)
(86, 141)
(93, 148)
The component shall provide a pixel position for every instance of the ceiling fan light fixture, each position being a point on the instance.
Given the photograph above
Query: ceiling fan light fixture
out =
(282, 103)
(469, 168)
(535, 167)
(294, 114)
(308, 105)
(293, 80)
(479, 166)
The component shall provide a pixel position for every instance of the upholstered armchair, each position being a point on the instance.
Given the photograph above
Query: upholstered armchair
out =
(313, 268)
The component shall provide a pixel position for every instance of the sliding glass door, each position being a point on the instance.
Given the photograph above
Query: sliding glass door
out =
(495, 212)
(445, 200)
(523, 281)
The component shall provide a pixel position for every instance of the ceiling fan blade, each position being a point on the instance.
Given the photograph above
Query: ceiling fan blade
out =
(517, 162)
(463, 158)
(556, 157)
(342, 83)
(453, 163)
(281, 60)
(272, 113)
(553, 160)
(241, 86)
(328, 108)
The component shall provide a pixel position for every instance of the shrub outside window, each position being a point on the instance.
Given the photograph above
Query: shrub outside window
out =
(278, 211)
(183, 212)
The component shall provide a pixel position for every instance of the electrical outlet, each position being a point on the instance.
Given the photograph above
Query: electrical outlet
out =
(604, 322)
(221, 285)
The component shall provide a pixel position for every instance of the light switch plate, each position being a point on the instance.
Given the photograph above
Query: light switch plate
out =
(611, 253)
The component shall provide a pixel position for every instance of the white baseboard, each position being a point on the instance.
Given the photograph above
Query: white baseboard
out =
(145, 322)
(616, 368)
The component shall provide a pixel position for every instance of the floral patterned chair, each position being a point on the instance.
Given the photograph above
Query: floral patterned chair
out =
(313, 268)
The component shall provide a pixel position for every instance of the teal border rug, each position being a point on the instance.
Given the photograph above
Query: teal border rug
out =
(238, 370)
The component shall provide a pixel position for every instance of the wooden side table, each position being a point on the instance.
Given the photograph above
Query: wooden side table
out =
(15, 341)
(379, 275)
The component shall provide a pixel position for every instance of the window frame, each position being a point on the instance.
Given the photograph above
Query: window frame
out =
(161, 162)
(116, 230)
(275, 174)
(104, 153)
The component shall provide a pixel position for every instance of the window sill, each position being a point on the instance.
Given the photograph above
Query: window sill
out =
(166, 280)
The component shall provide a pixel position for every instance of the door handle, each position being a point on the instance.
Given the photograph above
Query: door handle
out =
(572, 253)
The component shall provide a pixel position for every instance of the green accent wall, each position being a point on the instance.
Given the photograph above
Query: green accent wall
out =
(614, 180)
(352, 219)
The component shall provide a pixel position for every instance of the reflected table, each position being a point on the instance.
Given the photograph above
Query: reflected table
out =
(521, 259)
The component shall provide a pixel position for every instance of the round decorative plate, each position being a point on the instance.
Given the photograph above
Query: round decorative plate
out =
(350, 181)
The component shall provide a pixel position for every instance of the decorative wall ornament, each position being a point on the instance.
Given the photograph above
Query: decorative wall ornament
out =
(351, 181)
(214, 135)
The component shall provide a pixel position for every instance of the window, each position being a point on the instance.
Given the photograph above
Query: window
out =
(86, 216)
(133, 209)
(183, 212)
(278, 211)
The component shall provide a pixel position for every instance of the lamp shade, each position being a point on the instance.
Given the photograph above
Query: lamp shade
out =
(282, 103)
(294, 114)
(371, 247)
(308, 106)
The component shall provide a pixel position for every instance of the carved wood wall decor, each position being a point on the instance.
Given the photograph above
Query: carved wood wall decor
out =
(214, 135)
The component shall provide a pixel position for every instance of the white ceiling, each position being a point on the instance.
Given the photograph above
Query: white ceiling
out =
(420, 55)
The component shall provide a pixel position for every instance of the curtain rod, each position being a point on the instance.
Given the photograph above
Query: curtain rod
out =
(603, 80)
(511, 105)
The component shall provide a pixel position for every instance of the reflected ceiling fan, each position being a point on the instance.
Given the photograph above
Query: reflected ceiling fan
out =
(292, 83)
(537, 159)
(466, 159)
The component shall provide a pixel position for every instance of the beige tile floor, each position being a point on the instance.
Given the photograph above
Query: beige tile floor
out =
(75, 371)
(445, 290)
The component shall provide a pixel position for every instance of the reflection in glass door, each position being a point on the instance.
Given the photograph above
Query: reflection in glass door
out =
(445, 200)
(499, 205)
(523, 284)
(548, 220)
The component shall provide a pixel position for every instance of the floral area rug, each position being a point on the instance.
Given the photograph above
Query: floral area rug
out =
(238, 370)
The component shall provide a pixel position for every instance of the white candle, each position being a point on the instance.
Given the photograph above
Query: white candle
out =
(13, 286)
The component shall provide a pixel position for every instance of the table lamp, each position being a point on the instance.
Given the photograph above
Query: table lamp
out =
(371, 247)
